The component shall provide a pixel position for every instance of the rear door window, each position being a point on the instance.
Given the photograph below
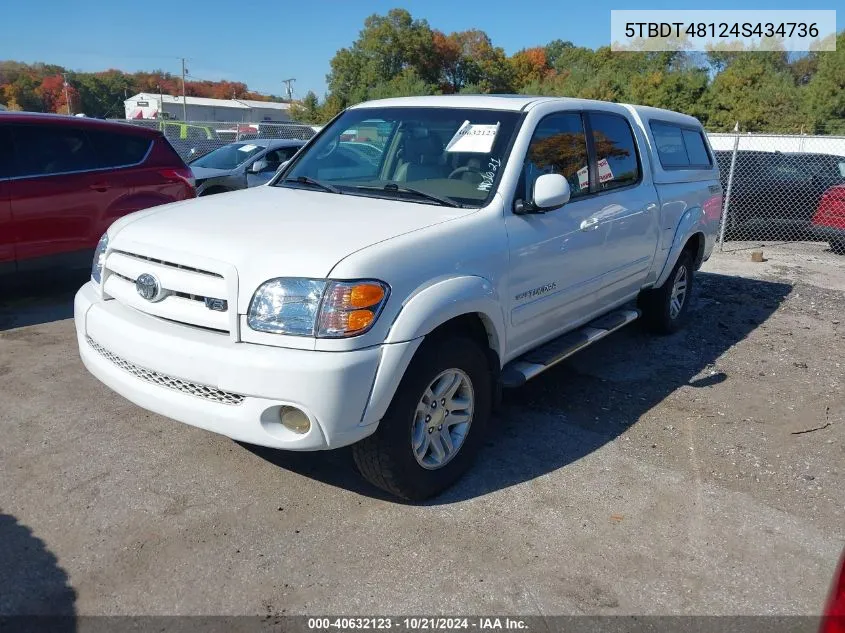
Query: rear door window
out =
(119, 150)
(42, 150)
(616, 151)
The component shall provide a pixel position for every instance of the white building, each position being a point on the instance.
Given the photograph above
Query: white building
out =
(147, 105)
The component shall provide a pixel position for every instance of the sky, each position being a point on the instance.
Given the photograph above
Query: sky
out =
(261, 43)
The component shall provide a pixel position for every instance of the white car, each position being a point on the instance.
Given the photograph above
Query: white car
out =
(382, 300)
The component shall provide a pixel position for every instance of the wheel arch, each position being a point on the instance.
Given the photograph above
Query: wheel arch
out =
(690, 233)
(463, 306)
(454, 303)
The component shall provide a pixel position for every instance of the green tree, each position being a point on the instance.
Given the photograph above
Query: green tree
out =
(825, 91)
(407, 84)
(385, 48)
(308, 110)
(754, 91)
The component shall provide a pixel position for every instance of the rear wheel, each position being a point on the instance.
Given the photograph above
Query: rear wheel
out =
(435, 423)
(665, 309)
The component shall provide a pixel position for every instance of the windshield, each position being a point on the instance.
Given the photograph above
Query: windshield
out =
(228, 156)
(430, 155)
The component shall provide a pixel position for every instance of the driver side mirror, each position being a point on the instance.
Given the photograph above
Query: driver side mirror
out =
(258, 166)
(551, 191)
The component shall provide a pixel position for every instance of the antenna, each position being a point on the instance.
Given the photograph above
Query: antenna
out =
(288, 87)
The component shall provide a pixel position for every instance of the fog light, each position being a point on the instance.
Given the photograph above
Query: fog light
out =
(294, 420)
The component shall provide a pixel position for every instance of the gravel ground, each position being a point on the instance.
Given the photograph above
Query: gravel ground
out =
(676, 475)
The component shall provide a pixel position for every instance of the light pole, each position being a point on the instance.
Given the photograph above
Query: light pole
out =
(184, 101)
(67, 98)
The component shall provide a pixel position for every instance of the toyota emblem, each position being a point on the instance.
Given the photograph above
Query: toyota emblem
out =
(149, 287)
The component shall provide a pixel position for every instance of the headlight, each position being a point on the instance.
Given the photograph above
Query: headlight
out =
(315, 307)
(99, 258)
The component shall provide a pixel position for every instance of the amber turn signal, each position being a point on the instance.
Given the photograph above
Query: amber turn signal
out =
(365, 295)
(359, 319)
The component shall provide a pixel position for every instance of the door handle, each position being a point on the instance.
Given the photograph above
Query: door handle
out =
(99, 186)
(590, 224)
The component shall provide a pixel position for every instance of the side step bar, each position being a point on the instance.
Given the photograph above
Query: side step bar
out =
(535, 362)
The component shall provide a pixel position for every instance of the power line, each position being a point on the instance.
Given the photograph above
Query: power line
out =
(288, 85)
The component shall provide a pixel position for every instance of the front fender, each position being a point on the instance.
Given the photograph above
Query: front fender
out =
(443, 300)
(424, 311)
(692, 221)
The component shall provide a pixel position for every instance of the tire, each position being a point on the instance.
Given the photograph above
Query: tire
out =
(656, 304)
(387, 459)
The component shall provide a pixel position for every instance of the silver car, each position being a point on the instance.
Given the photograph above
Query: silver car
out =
(242, 164)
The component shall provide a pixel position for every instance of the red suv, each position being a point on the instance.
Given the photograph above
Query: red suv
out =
(64, 180)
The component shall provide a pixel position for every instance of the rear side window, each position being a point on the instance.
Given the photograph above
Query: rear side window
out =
(119, 150)
(696, 149)
(616, 151)
(41, 150)
(679, 147)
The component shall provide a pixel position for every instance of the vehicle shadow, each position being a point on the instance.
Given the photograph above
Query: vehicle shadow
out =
(588, 400)
(35, 592)
(37, 299)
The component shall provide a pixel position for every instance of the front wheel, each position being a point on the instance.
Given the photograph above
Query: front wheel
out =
(435, 423)
(666, 309)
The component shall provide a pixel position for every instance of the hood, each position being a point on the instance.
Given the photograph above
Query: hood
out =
(267, 232)
(204, 173)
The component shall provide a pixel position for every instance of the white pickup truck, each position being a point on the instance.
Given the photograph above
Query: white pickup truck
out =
(415, 257)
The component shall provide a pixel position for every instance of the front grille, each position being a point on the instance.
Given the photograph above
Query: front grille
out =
(169, 264)
(192, 296)
(163, 380)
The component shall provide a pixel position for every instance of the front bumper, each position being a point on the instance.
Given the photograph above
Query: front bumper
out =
(205, 379)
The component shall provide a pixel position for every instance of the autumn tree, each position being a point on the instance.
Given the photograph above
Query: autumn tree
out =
(529, 65)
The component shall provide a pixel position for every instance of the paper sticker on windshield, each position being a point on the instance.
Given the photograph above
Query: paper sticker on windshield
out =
(247, 148)
(476, 138)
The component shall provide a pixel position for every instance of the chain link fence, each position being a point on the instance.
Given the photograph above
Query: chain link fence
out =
(782, 189)
(785, 189)
(192, 139)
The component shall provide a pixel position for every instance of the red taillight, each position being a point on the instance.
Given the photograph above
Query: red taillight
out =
(833, 620)
(831, 211)
(183, 175)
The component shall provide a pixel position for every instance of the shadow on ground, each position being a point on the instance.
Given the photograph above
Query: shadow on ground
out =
(588, 400)
(35, 592)
(37, 299)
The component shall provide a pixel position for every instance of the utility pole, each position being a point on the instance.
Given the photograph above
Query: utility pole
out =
(184, 101)
(160, 103)
(288, 88)
(67, 99)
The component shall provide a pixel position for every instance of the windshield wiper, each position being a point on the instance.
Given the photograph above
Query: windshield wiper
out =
(306, 180)
(392, 186)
